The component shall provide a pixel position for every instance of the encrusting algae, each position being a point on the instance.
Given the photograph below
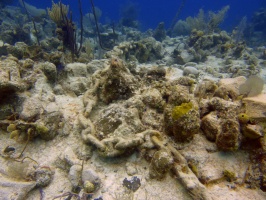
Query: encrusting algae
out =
(180, 111)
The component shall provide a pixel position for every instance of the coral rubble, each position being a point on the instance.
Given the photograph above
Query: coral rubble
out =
(123, 123)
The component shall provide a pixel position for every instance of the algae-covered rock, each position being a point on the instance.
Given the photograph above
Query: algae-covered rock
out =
(43, 176)
(119, 83)
(153, 98)
(178, 94)
(161, 162)
(118, 121)
(182, 121)
(205, 89)
(49, 70)
(49, 125)
(229, 88)
(6, 110)
(229, 137)
(185, 127)
(210, 125)
(224, 109)
(180, 111)
(42, 129)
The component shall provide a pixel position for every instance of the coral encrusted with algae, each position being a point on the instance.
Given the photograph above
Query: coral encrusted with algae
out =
(182, 121)
(180, 111)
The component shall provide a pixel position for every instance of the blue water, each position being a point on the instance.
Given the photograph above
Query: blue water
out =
(151, 12)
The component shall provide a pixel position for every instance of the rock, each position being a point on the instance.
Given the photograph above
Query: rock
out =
(228, 139)
(32, 108)
(160, 164)
(225, 109)
(205, 89)
(151, 118)
(178, 94)
(228, 88)
(210, 125)
(27, 63)
(253, 131)
(95, 65)
(74, 175)
(131, 169)
(10, 80)
(88, 187)
(191, 71)
(51, 120)
(17, 50)
(6, 110)
(181, 121)
(77, 85)
(15, 190)
(43, 176)
(58, 90)
(50, 71)
(76, 70)
(256, 107)
(156, 73)
(153, 98)
(132, 184)
(119, 83)
(147, 49)
(91, 176)
(186, 126)
(184, 57)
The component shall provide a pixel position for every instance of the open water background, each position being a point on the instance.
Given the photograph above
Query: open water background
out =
(151, 12)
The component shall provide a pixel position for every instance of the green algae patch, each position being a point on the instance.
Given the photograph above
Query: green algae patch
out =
(11, 127)
(41, 129)
(180, 111)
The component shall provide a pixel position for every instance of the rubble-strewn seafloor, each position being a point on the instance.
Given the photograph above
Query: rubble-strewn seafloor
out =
(154, 117)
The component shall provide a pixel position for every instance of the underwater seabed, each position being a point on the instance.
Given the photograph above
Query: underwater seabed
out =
(108, 132)
(155, 117)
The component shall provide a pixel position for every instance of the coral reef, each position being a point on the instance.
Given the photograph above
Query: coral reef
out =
(207, 23)
(145, 50)
(120, 124)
